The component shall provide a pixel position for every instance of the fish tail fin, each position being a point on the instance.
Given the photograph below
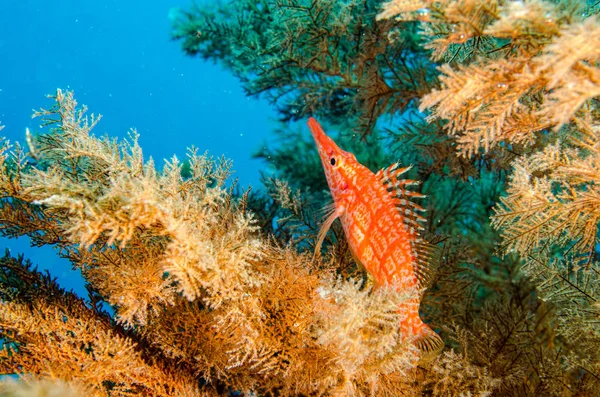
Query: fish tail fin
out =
(429, 343)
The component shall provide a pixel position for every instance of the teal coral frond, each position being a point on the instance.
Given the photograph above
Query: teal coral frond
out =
(311, 57)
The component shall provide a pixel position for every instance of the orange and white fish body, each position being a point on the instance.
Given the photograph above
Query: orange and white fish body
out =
(380, 223)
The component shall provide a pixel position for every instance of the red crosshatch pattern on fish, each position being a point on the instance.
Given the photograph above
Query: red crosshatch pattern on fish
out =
(381, 225)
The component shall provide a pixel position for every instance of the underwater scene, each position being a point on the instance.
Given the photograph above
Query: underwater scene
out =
(300, 198)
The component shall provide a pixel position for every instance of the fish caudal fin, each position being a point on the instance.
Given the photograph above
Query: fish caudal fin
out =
(420, 334)
(429, 343)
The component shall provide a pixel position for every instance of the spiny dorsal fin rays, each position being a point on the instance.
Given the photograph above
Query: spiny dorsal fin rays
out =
(389, 177)
(413, 223)
(426, 255)
(391, 174)
(397, 189)
(403, 202)
(410, 210)
(392, 171)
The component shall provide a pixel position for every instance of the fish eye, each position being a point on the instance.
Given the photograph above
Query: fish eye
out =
(332, 161)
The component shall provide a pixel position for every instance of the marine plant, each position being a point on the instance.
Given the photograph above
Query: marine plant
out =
(216, 292)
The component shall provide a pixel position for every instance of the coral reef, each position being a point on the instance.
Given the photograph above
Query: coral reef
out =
(43, 388)
(216, 292)
(496, 105)
(203, 304)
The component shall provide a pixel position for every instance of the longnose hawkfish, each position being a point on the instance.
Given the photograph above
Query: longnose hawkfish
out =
(381, 224)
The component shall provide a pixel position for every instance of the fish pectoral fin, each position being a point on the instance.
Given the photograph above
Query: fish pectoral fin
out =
(325, 227)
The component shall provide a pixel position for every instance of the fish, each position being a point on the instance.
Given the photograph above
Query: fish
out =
(381, 223)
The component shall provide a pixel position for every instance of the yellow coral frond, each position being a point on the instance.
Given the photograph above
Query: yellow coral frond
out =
(485, 106)
(554, 198)
(394, 8)
(577, 43)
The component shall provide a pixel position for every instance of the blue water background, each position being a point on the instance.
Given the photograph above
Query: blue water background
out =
(118, 58)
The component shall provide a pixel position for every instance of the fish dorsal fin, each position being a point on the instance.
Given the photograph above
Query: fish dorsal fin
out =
(403, 197)
(426, 255)
(427, 258)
